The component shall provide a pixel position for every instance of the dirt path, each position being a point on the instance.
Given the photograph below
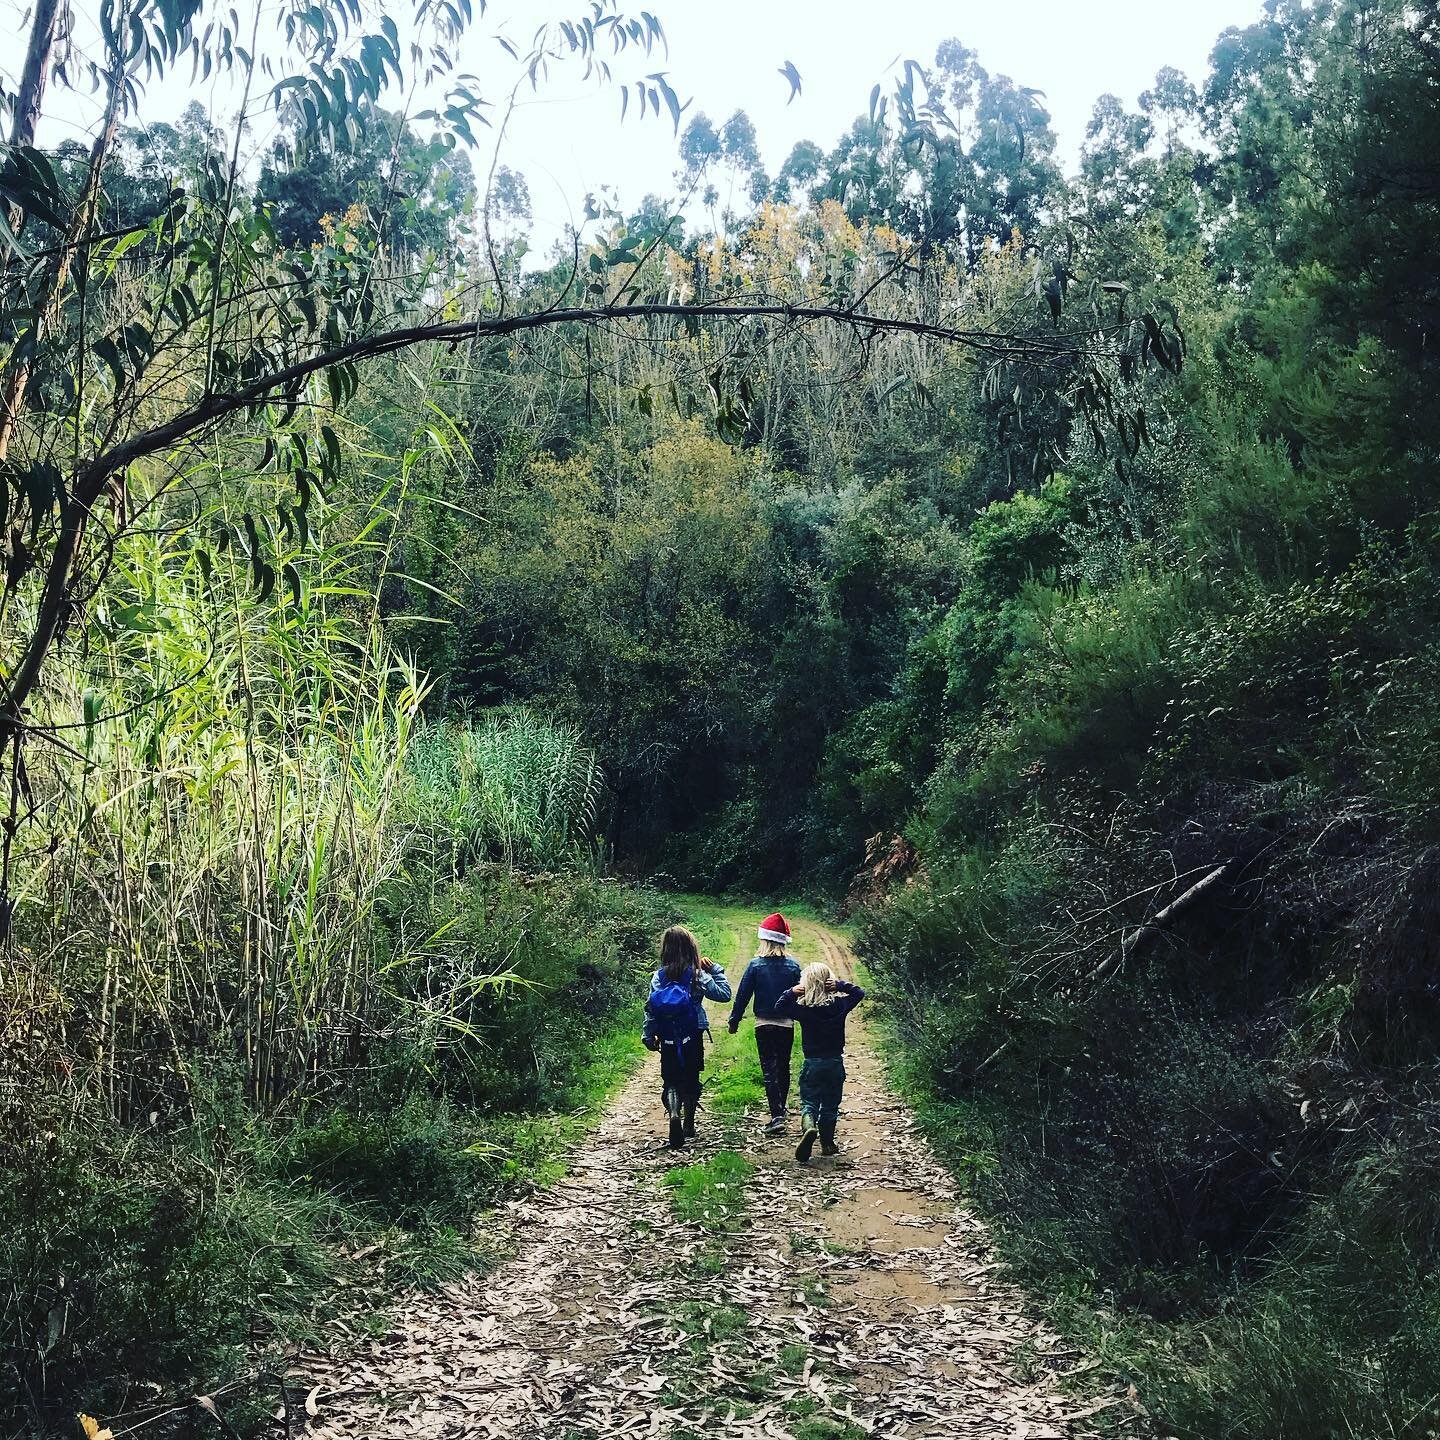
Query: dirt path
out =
(855, 1298)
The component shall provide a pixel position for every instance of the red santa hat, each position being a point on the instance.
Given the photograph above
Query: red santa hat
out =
(775, 927)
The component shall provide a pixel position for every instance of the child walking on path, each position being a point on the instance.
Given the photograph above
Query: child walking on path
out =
(766, 978)
(820, 1004)
(676, 1024)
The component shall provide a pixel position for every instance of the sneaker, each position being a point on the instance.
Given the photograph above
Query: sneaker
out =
(807, 1142)
(829, 1147)
(776, 1125)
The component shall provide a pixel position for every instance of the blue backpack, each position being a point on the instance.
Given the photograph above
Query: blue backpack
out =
(672, 1007)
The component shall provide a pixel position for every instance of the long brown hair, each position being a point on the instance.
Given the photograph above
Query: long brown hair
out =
(679, 952)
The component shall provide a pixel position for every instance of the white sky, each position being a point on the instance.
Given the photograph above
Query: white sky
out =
(724, 56)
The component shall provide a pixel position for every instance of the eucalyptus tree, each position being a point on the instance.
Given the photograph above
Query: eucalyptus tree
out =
(804, 164)
(954, 157)
(422, 190)
(131, 355)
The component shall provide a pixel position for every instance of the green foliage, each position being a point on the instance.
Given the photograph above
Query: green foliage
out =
(420, 191)
(125, 1258)
(414, 1163)
(1338, 1333)
(356, 676)
(514, 787)
(567, 953)
(151, 1253)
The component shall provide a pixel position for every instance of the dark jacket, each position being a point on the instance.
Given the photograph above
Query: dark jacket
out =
(766, 977)
(822, 1027)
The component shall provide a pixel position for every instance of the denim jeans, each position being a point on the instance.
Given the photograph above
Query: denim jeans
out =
(822, 1081)
(681, 1067)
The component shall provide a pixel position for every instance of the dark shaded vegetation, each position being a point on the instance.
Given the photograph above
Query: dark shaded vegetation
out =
(1225, 1129)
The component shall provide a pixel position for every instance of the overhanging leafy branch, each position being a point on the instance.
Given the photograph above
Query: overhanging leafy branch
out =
(92, 480)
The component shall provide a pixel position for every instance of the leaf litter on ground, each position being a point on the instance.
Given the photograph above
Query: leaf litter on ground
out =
(612, 1318)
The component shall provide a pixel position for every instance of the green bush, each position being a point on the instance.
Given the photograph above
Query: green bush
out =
(1220, 1161)
(551, 959)
(512, 786)
(1337, 1335)
(123, 1260)
(412, 1165)
(150, 1257)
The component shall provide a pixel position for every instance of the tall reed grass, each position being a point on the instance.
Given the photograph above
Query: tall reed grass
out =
(511, 786)
(211, 867)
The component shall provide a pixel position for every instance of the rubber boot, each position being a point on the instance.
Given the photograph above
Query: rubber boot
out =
(808, 1133)
(677, 1119)
(689, 1126)
(827, 1138)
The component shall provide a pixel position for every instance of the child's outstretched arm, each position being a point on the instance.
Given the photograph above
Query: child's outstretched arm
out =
(742, 997)
(713, 982)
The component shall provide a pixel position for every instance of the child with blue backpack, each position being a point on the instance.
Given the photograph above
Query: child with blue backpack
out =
(766, 978)
(676, 1024)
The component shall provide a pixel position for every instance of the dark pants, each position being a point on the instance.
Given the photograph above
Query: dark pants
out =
(680, 1066)
(774, 1042)
(821, 1084)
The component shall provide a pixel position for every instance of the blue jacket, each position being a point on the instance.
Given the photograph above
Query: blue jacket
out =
(709, 985)
(766, 978)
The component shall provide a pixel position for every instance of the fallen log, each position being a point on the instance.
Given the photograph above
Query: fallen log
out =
(1158, 923)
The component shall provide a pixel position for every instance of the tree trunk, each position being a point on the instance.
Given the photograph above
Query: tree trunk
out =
(1142, 935)
(32, 79)
(1177, 907)
(52, 291)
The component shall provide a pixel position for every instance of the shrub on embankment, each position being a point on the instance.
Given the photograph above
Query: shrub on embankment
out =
(1166, 968)
(1219, 1138)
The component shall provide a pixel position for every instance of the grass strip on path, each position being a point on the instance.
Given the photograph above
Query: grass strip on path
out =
(712, 1192)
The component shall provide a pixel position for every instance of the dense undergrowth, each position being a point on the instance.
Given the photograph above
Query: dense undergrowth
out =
(266, 995)
(146, 1262)
(1162, 940)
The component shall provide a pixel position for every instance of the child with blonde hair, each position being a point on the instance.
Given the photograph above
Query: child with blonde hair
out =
(819, 1005)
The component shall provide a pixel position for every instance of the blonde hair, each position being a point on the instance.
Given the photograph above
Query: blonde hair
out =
(815, 981)
(774, 947)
